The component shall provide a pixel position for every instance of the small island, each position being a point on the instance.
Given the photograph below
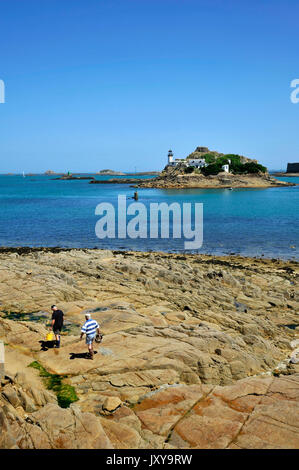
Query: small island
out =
(206, 169)
(110, 173)
(70, 176)
(50, 173)
(145, 173)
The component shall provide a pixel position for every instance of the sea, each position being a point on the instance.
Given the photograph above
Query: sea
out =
(41, 211)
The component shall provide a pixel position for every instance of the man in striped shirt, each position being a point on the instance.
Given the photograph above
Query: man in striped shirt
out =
(90, 328)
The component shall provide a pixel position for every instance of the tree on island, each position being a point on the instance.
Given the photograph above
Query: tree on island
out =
(235, 165)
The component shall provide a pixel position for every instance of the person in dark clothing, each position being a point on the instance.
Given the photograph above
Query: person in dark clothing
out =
(57, 324)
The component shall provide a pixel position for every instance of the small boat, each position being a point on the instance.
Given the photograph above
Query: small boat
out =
(23, 174)
(230, 189)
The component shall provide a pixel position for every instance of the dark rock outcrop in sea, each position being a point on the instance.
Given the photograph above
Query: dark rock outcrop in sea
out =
(71, 177)
(117, 181)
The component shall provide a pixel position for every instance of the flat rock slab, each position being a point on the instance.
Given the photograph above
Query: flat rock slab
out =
(190, 343)
(253, 413)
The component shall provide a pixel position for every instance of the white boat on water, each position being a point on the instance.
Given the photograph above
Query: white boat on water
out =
(23, 174)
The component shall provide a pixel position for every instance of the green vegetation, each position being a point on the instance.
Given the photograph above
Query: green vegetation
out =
(252, 167)
(236, 166)
(235, 159)
(189, 169)
(215, 163)
(66, 394)
(212, 169)
(209, 157)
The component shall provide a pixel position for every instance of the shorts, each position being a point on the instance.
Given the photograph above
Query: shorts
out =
(57, 331)
(90, 338)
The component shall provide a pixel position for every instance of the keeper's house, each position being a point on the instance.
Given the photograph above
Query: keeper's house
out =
(196, 162)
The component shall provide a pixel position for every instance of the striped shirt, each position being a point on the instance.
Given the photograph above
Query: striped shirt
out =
(90, 327)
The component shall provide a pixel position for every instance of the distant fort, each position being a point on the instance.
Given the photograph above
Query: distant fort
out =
(293, 168)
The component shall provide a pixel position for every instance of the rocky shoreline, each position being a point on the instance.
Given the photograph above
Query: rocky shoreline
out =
(285, 174)
(117, 181)
(223, 180)
(173, 180)
(198, 352)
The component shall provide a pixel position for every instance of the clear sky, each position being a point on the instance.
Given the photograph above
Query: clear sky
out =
(93, 84)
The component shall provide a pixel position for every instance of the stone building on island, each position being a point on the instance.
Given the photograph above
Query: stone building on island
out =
(193, 161)
(293, 168)
(196, 162)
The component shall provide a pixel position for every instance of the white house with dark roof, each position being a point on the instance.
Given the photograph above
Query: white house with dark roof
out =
(196, 162)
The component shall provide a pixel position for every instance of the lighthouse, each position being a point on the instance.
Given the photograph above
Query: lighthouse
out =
(170, 157)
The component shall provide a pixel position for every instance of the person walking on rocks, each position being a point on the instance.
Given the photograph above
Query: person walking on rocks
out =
(90, 328)
(57, 324)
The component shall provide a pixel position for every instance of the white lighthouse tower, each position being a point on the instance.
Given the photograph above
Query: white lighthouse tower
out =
(170, 157)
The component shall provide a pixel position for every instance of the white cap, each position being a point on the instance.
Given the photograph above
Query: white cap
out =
(87, 315)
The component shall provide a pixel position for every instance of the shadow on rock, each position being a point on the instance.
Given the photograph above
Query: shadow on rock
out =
(45, 345)
(81, 355)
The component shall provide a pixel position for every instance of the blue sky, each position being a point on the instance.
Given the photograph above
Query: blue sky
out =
(93, 84)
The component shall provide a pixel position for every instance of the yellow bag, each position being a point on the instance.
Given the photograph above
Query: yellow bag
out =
(50, 337)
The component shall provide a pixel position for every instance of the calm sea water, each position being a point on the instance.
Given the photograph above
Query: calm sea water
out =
(39, 211)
